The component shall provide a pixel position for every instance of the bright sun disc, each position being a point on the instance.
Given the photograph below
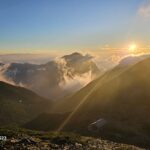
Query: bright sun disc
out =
(132, 48)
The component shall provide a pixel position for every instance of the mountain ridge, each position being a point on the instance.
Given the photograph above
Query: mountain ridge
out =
(19, 105)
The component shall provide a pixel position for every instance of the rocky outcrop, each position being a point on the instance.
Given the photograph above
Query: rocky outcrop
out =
(26, 142)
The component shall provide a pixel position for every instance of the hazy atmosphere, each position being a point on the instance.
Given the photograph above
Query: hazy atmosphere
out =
(74, 74)
(55, 26)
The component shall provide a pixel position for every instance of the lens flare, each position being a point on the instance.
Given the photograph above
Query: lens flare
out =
(99, 84)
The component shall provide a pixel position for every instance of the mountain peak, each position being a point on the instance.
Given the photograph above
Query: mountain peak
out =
(75, 54)
(77, 57)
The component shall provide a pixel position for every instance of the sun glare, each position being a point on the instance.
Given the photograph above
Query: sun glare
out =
(132, 48)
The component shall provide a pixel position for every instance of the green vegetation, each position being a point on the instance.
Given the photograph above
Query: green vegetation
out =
(19, 105)
(19, 138)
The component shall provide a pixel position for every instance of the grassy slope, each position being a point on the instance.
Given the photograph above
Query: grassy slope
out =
(19, 105)
(18, 138)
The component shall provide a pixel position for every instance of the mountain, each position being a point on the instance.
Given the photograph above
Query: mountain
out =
(54, 79)
(1, 64)
(19, 105)
(46, 121)
(114, 106)
(116, 87)
(131, 60)
(81, 64)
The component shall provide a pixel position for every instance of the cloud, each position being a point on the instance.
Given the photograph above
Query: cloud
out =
(4, 79)
(144, 10)
(2, 76)
(72, 81)
(77, 82)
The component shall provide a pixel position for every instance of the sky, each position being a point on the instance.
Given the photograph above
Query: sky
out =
(70, 25)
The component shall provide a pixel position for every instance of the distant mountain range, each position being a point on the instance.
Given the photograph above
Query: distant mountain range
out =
(60, 77)
(55, 78)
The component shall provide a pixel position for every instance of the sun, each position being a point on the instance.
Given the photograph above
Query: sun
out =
(132, 48)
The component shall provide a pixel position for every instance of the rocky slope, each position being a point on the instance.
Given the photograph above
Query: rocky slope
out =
(30, 140)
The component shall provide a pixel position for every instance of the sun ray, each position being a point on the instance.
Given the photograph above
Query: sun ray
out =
(66, 121)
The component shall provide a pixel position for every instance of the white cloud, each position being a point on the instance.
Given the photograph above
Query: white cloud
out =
(144, 10)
